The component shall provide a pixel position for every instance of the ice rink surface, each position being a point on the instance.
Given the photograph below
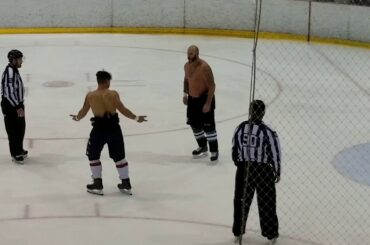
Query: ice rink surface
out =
(177, 199)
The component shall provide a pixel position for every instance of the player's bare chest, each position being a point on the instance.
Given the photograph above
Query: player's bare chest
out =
(193, 72)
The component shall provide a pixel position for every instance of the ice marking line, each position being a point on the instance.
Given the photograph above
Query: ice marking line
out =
(128, 80)
(97, 210)
(158, 49)
(274, 79)
(348, 177)
(336, 67)
(129, 85)
(179, 221)
(26, 212)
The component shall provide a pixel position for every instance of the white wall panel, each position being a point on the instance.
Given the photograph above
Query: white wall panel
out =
(149, 13)
(283, 16)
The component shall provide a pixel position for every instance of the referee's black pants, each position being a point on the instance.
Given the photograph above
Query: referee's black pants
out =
(15, 127)
(260, 179)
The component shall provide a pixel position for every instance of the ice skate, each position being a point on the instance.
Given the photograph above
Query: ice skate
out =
(18, 159)
(24, 154)
(96, 187)
(214, 157)
(272, 241)
(237, 239)
(125, 186)
(200, 152)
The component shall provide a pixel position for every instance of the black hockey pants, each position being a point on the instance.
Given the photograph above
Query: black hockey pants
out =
(15, 127)
(260, 179)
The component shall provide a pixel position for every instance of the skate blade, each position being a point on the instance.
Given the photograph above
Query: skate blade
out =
(213, 162)
(272, 242)
(18, 162)
(202, 155)
(96, 192)
(126, 191)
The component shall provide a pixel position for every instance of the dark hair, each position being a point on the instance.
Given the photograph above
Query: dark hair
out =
(102, 76)
(14, 54)
(257, 110)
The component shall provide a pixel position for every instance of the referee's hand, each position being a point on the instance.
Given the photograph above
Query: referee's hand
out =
(20, 112)
(277, 179)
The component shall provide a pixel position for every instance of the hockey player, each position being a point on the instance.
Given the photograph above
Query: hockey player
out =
(106, 130)
(199, 96)
(12, 99)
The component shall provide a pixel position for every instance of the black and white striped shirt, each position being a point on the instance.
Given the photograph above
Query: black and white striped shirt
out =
(12, 86)
(257, 143)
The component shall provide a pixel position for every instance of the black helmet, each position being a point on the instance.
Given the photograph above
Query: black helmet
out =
(14, 54)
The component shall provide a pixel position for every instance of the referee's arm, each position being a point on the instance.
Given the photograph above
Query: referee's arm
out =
(275, 151)
(236, 148)
(10, 91)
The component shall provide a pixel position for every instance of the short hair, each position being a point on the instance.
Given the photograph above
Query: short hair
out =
(102, 76)
(257, 109)
(14, 54)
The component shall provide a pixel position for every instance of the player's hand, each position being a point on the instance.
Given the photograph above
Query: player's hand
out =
(74, 117)
(185, 99)
(141, 119)
(277, 179)
(20, 112)
(206, 108)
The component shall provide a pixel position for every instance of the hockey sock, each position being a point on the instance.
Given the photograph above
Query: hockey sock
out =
(212, 141)
(122, 168)
(96, 169)
(200, 138)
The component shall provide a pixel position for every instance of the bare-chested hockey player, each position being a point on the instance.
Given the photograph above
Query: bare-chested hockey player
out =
(199, 96)
(106, 130)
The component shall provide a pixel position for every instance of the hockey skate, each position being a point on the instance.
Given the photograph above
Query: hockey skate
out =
(24, 154)
(272, 241)
(125, 186)
(96, 187)
(237, 239)
(18, 159)
(200, 152)
(214, 157)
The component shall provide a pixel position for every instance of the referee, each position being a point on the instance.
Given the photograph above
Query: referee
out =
(257, 156)
(12, 97)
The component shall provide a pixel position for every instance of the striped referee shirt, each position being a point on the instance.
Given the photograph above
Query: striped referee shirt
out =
(258, 143)
(12, 86)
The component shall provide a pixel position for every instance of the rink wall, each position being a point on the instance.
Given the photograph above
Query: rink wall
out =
(225, 17)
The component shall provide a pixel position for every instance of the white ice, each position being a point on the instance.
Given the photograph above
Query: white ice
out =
(179, 200)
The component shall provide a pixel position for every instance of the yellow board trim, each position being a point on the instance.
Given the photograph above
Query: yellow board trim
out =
(184, 31)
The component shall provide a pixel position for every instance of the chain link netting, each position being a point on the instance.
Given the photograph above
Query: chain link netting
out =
(318, 98)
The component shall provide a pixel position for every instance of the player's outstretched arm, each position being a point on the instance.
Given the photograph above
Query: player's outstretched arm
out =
(82, 113)
(126, 112)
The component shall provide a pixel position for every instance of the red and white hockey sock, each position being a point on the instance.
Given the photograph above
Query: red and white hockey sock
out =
(122, 168)
(96, 169)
